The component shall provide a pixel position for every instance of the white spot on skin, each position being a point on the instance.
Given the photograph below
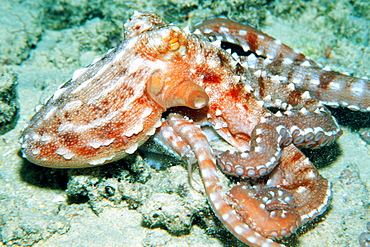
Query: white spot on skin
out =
(278, 42)
(266, 62)
(318, 129)
(258, 149)
(77, 73)
(102, 160)
(225, 217)
(151, 132)
(217, 205)
(244, 155)
(72, 105)
(110, 50)
(279, 114)
(218, 112)
(202, 158)
(132, 148)
(46, 138)
(291, 86)
(230, 39)
(167, 134)
(36, 137)
(95, 60)
(61, 151)
(287, 61)
(305, 64)
(242, 32)
(260, 103)
(267, 98)
(66, 153)
(218, 125)
(96, 143)
(47, 100)
(301, 189)
(224, 29)
(38, 108)
(252, 239)
(334, 86)
(207, 31)
(50, 113)
(187, 30)
(331, 104)
(269, 182)
(186, 129)
(239, 230)
(202, 149)
(198, 32)
(216, 43)
(236, 57)
(213, 197)
(359, 88)
(304, 111)
(252, 58)
(82, 85)
(58, 93)
(306, 95)
(315, 82)
(280, 193)
(208, 184)
(208, 173)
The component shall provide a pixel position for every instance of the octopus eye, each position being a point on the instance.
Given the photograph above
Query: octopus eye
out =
(173, 44)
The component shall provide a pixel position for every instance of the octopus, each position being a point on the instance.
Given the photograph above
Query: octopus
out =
(223, 81)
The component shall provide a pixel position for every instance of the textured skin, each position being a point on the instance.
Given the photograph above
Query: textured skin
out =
(263, 101)
(113, 106)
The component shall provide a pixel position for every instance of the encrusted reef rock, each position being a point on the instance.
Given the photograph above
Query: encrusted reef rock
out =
(163, 197)
(20, 227)
(20, 30)
(8, 101)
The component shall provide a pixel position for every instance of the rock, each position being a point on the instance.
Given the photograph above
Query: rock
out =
(8, 101)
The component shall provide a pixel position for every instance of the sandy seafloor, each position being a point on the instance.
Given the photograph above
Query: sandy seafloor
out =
(128, 203)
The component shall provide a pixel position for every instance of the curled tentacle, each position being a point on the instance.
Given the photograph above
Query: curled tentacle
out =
(293, 194)
(273, 133)
(194, 136)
